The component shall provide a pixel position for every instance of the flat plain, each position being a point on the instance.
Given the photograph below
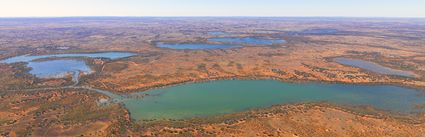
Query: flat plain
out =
(290, 50)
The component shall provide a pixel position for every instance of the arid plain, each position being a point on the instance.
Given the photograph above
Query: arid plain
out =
(32, 106)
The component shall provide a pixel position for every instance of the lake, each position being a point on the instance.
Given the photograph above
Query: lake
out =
(248, 41)
(323, 31)
(217, 33)
(59, 68)
(371, 66)
(196, 46)
(28, 58)
(229, 96)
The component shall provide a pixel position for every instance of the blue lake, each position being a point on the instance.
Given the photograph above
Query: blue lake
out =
(217, 33)
(110, 55)
(58, 68)
(248, 41)
(61, 67)
(196, 46)
(229, 96)
(320, 31)
(370, 66)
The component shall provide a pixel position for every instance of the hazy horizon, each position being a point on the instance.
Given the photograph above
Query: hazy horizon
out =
(213, 8)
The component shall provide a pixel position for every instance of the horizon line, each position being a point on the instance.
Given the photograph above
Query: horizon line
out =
(388, 17)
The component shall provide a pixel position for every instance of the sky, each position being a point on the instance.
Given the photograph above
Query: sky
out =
(304, 8)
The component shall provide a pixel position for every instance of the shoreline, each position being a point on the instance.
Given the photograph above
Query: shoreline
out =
(147, 89)
(361, 111)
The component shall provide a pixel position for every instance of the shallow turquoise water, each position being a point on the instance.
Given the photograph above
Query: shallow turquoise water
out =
(373, 67)
(197, 46)
(249, 41)
(228, 96)
(58, 68)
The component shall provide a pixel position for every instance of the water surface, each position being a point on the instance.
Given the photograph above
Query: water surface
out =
(197, 46)
(320, 31)
(110, 55)
(217, 33)
(58, 68)
(373, 67)
(249, 41)
(229, 96)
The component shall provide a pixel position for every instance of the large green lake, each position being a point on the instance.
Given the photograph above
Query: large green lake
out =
(229, 96)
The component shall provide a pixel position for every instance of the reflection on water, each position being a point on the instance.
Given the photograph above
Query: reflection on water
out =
(373, 67)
